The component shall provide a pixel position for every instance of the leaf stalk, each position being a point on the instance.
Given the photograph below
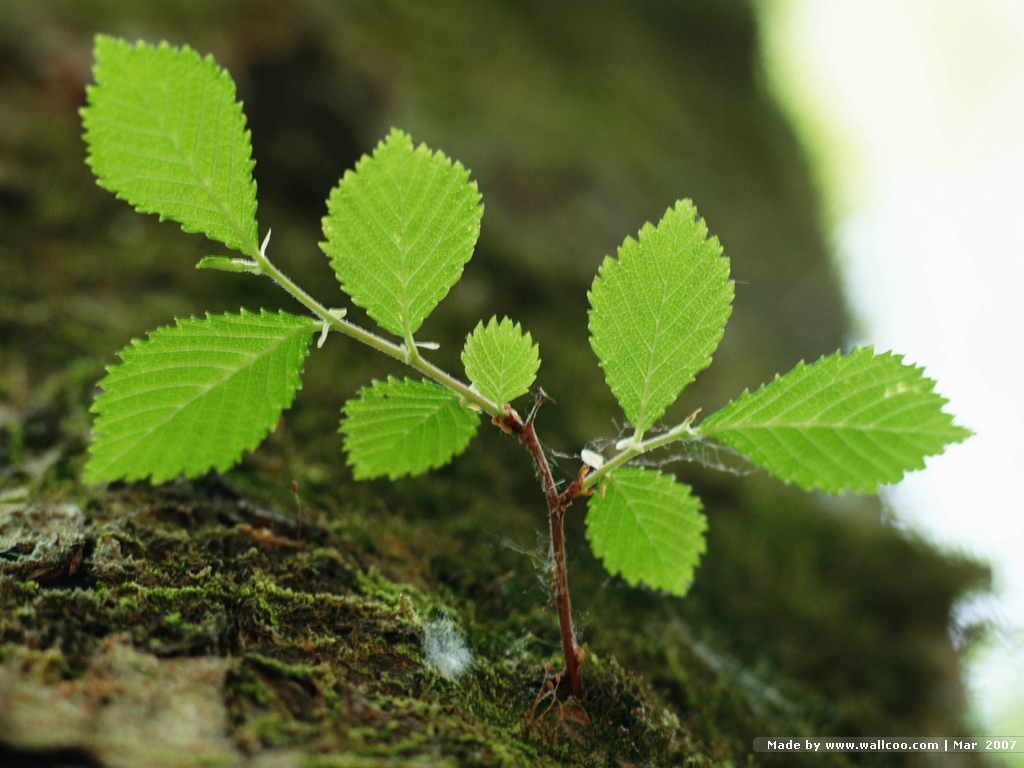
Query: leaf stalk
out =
(405, 354)
(631, 449)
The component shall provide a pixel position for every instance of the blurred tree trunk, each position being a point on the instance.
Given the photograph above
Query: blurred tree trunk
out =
(147, 626)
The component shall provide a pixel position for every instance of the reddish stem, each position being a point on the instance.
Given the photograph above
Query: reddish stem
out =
(557, 505)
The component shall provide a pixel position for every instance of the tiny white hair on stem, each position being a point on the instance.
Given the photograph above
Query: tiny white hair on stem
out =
(700, 450)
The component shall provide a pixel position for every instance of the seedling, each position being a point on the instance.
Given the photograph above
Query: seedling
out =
(166, 134)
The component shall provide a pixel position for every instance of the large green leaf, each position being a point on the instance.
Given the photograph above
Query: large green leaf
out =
(500, 360)
(647, 527)
(166, 134)
(399, 229)
(405, 427)
(846, 422)
(658, 312)
(197, 395)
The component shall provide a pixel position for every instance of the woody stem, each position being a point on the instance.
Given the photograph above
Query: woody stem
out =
(557, 505)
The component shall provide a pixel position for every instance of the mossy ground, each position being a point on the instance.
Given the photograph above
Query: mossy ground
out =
(310, 649)
(124, 609)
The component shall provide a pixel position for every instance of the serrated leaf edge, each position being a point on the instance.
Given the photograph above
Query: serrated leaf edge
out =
(523, 343)
(126, 355)
(708, 428)
(376, 388)
(667, 483)
(245, 240)
(405, 326)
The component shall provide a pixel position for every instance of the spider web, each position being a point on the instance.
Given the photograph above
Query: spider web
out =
(699, 450)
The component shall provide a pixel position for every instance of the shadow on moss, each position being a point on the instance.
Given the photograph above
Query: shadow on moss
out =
(188, 599)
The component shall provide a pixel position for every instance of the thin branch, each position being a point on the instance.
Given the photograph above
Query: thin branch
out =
(504, 417)
(401, 352)
(557, 505)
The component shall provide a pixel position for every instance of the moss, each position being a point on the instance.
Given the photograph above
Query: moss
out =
(324, 656)
(325, 642)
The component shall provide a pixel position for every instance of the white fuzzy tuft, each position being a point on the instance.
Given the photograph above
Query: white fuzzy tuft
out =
(445, 649)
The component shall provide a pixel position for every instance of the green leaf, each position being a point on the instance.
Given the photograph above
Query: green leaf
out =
(500, 360)
(846, 422)
(658, 312)
(197, 395)
(399, 230)
(647, 527)
(166, 134)
(404, 427)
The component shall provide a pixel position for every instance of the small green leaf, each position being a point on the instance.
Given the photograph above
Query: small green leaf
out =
(846, 422)
(404, 427)
(399, 229)
(166, 134)
(500, 360)
(197, 395)
(647, 527)
(658, 312)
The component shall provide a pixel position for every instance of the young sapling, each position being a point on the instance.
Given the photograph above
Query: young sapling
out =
(166, 134)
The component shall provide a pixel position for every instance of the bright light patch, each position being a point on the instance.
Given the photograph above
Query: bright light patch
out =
(912, 111)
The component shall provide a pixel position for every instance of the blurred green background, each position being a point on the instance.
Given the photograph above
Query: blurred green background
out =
(580, 122)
